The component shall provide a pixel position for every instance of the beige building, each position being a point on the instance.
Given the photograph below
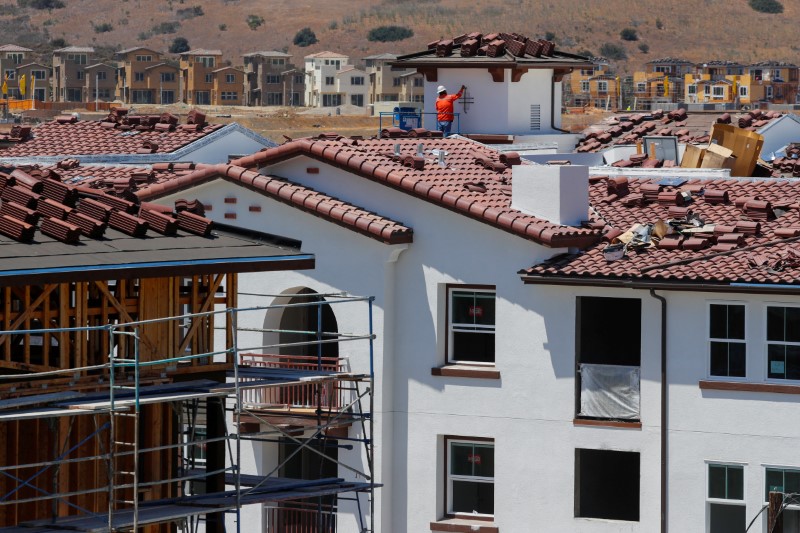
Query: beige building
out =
(388, 83)
(228, 83)
(100, 83)
(272, 79)
(132, 73)
(69, 71)
(11, 58)
(38, 80)
(197, 71)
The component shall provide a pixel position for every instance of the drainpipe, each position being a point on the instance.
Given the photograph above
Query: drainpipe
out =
(553, 105)
(663, 409)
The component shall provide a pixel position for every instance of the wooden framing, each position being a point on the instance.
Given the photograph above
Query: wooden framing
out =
(83, 484)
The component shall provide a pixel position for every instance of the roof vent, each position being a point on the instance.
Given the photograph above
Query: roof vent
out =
(421, 150)
(442, 160)
(397, 149)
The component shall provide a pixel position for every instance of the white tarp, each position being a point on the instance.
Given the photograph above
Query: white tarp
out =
(610, 391)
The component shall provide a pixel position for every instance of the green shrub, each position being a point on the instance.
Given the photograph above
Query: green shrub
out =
(190, 12)
(767, 6)
(389, 33)
(102, 27)
(41, 4)
(179, 45)
(613, 51)
(629, 34)
(644, 48)
(165, 27)
(304, 37)
(254, 21)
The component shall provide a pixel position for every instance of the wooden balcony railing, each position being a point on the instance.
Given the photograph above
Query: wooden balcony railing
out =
(330, 395)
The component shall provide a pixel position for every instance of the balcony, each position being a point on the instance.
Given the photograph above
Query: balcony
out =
(301, 517)
(298, 401)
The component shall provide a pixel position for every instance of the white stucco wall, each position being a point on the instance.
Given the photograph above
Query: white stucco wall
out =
(497, 107)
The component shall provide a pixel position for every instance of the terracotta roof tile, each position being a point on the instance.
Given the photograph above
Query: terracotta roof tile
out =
(721, 255)
(463, 184)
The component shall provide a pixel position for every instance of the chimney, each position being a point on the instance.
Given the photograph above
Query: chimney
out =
(559, 194)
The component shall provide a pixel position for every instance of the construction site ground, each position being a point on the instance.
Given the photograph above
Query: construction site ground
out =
(277, 123)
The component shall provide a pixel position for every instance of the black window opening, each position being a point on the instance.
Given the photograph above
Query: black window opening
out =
(608, 358)
(727, 348)
(607, 484)
(726, 509)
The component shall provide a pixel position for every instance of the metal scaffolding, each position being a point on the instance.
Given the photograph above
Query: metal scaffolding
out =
(260, 392)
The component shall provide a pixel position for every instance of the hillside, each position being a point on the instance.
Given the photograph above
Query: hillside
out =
(703, 30)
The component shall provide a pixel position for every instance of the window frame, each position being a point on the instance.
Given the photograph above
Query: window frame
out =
(783, 468)
(710, 339)
(602, 86)
(726, 501)
(230, 78)
(585, 86)
(718, 92)
(448, 343)
(447, 481)
(767, 342)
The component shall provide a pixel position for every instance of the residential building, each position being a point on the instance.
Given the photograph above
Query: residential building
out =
(12, 57)
(132, 78)
(772, 81)
(387, 82)
(661, 82)
(100, 83)
(351, 86)
(128, 364)
(38, 84)
(321, 69)
(69, 73)
(732, 83)
(579, 91)
(514, 88)
(412, 87)
(197, 72)
(272, 79)
(227, 87)
(646, 390)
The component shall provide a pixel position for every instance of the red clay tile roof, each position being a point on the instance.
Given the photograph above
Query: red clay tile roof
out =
(688, 127)
(474, 182)
(85, 137)
(304, 198)
(756, 235)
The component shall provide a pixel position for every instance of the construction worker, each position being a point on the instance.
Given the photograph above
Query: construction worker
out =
(444, 108)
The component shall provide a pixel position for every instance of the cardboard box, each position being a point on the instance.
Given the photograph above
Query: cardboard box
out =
(692, 157)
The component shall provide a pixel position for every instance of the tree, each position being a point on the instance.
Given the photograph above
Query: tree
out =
(41, 4)
(613, 51)
(767, 6)
(102, 27)
(629, 34)
(389, 33)
(305, 37)
(549, 36)
(179, 45)
(644, 48)
(58, 42)
(254, 21)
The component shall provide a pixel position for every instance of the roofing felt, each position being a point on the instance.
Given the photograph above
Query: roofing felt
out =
(304, 198)
(53, 229)
(507, 50)
(751, 232)
(475, 180)
(84, 137)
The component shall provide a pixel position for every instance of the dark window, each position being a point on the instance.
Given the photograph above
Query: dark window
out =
(726, 340)
(470, 477)
(609, 330)
(471, 325)
(783, 342)
(725, 482)
(782, 480)
(357, 100)
(607, 484)
(329, 80)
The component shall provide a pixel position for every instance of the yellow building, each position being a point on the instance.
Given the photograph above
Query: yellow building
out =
(133, 85)
(591, 86)
(661, 81)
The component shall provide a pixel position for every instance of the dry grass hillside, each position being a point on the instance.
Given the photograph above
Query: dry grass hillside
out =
(702, 30)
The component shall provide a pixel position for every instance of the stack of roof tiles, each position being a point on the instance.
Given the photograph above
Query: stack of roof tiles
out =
(493, 45)
(118, 133)
(37, 198)
(743, 231)
(628, 129)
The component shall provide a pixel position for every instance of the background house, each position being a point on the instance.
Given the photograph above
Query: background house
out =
(197, 75)
(321, 69)
(132, 72)
(272, 79)
(69, 70)
(100, 83)
(38, 76)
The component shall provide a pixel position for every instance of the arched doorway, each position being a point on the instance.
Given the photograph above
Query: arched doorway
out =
(317, 321)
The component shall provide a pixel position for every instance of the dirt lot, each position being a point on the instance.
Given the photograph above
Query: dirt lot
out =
(277, 122)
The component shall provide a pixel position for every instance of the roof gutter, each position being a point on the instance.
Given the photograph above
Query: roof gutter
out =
(734, 287)
(664, 390)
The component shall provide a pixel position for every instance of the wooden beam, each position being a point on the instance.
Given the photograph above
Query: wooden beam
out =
(516, 74)
(25, 315)
(559, 73)
(498, 74)
(430, 73)
(203, 308)
(123, 313)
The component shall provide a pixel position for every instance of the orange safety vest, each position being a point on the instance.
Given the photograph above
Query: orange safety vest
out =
(444, 107)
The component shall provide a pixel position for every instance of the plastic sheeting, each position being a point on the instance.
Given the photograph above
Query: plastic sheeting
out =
(610, 391)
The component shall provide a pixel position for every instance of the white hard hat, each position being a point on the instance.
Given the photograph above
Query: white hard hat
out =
(441, 89)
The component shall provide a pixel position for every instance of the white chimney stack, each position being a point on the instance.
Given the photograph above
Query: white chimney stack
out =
(557, 193)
